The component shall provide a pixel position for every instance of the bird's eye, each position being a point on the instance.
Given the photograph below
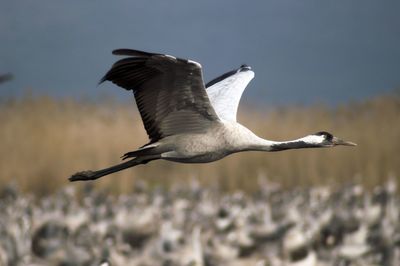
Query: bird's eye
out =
(326, 135)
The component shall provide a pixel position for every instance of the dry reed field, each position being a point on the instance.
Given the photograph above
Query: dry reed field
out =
(43, 141)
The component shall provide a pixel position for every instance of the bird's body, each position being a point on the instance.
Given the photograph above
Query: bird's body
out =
(186, 120)
(220, 140)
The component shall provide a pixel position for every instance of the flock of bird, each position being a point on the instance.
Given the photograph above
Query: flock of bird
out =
(189, 121)
(193, 225)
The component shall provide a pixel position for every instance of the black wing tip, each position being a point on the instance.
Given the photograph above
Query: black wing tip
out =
(220, 78)
(242, 68)
(132, 52)
(104, 78)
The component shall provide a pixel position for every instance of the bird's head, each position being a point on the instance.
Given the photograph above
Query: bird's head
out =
(326, 139)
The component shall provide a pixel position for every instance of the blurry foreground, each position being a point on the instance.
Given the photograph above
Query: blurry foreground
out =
(43, 141)
(191, 225)
(317, 207)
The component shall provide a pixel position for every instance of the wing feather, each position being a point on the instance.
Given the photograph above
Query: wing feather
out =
(225, 92)
(169, 92)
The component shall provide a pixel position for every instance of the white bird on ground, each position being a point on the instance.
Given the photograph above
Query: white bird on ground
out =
(186, 120)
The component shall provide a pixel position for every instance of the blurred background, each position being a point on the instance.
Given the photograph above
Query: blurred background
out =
(319, 66)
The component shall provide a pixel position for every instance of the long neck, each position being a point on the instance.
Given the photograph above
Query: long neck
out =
(268, 145)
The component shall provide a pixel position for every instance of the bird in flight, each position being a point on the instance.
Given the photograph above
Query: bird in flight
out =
(188, 121)
(5, 77)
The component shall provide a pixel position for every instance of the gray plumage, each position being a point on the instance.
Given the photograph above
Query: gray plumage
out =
(184, 121)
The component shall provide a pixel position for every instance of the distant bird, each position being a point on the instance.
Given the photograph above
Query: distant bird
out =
(5, 77)
(186, 120)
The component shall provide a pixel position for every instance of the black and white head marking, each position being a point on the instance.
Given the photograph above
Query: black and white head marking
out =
(328, 136)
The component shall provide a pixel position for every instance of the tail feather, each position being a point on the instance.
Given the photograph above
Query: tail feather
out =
(130, 154)
(146, 150)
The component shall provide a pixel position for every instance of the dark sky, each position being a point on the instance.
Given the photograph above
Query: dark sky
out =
(301, 51)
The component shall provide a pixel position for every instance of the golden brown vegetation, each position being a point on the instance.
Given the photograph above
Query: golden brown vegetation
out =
(43, 141)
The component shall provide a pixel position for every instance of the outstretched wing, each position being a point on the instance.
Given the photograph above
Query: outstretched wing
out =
(169, 92)
(225, 91)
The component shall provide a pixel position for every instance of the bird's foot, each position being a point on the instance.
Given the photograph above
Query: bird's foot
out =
(83, 176)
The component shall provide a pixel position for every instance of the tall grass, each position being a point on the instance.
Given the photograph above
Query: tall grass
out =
(43, 141)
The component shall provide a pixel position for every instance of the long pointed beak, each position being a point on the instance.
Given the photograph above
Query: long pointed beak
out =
(337, 141)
